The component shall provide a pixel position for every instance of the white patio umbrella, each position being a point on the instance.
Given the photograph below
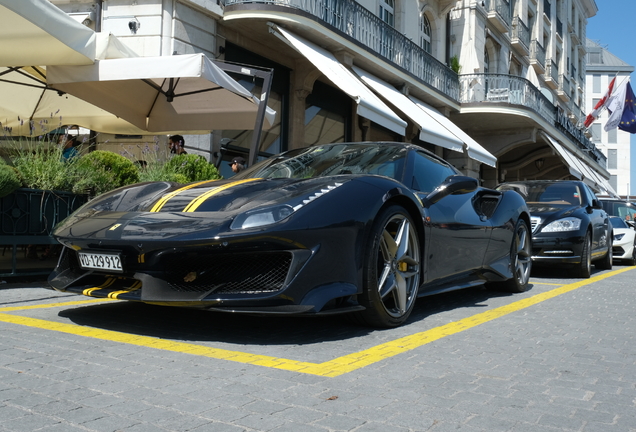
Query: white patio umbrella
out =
(29, 106)
(159, 94)
(36, 32)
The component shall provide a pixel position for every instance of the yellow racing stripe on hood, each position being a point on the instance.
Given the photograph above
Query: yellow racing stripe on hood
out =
(195, 203)
(159, 204)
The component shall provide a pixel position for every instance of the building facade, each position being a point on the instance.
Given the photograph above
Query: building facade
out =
(493, 78)
(602, 67)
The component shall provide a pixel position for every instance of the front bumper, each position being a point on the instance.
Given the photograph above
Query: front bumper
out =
(558, 248)
(254, 281)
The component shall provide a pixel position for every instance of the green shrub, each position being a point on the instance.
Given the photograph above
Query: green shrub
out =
(41, 165)
(101, 171)
(193, 167)
(9, 180)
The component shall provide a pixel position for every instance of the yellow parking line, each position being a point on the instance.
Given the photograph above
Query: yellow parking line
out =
(331, 368)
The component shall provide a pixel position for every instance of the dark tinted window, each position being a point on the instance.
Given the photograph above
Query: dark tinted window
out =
(429, 172)
(552, 193)
(621, 209)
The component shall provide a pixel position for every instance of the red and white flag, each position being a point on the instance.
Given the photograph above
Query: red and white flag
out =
(600, 105)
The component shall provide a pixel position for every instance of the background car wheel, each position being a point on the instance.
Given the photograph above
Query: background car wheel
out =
(606, 262)
(391, 270)
(584, 268)
(632, 261)
(520, 261)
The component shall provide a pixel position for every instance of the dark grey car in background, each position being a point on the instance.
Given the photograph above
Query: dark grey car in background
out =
(569, 225)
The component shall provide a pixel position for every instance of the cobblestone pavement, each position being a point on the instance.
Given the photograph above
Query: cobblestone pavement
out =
(560, 357)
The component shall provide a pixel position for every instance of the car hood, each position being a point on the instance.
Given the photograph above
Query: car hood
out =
(166, 210)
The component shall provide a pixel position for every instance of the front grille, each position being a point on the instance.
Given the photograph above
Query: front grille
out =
(617, 250)
(534, 222)
(241, 273)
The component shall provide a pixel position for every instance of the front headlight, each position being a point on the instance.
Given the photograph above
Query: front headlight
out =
(618, 236)
(566, 224)
(262, 217)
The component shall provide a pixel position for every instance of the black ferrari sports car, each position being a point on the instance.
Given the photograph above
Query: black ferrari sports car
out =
(349, 227)
(569, 225)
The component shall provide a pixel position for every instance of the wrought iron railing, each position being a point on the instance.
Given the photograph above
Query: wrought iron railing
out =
(521, 31)
(552, 71)
(501, 8)
(511, 89)
(28, 216)
(497, 88)
(564, 84)
(356, 21)
(537, 52)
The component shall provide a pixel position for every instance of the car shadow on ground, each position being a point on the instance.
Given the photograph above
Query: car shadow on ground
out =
(175, 323)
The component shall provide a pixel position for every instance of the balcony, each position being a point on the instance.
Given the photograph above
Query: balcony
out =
(353, 20)
(551, 75)
(563, 91)
(497, 90)
(537, 57)
(520, 36)
(510, 89)
(499, 14)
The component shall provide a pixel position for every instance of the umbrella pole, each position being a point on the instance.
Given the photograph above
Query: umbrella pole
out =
(260, 115)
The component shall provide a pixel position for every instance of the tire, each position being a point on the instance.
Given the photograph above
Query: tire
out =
(606, 262)
(391, 270)
(520, 259)
(632, 261)
(584, 268)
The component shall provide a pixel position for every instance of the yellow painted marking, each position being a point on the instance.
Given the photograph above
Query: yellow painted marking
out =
(331, 368)
(133, 287)
(159, 204)
(109, 282)
(195, 203)
(141, 258)
(114, 227)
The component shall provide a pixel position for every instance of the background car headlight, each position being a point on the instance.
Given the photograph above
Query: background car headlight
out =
(262, 217)
(566, 224)
(618, 236)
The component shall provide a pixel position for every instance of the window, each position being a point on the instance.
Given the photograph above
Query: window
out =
(596, 132)
(614, 182)
(327, 115)
(596, 83)
(612, 136)
(612, 158)
(425, 34)
(387, 11)
(486, 62)
(428, 172)
(595, 101)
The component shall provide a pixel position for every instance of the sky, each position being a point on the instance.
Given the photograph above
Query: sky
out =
(613, 28)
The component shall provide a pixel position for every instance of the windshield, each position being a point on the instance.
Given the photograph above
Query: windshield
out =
(550, 193)
(334, 159)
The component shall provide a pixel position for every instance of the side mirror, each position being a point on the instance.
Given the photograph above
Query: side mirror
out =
(596, 204)
(453, 185)
(631, 223)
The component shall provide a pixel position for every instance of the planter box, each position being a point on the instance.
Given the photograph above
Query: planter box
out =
(28, 216)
